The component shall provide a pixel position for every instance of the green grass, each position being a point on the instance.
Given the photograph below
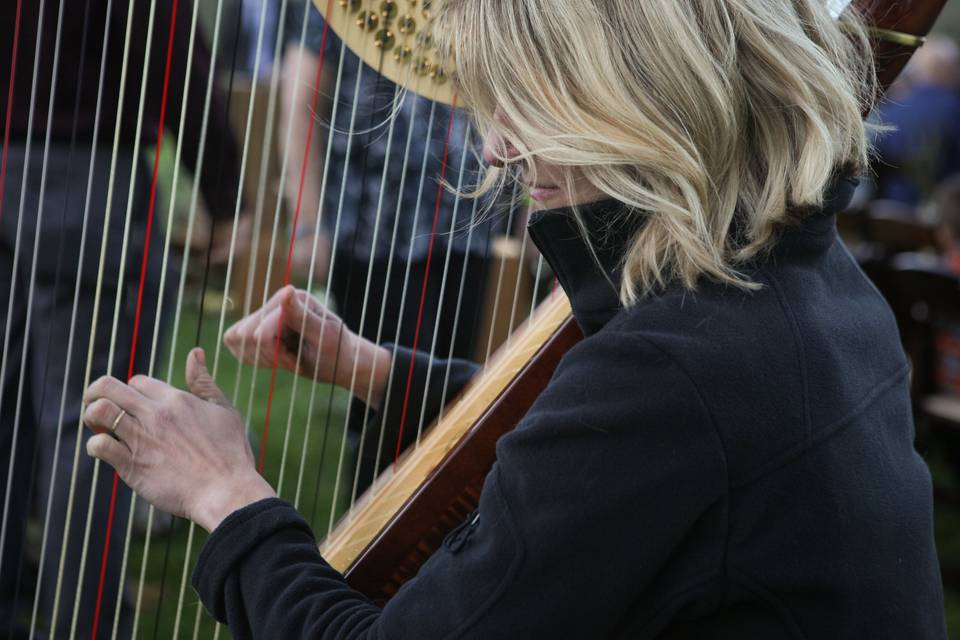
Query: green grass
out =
(314, 501)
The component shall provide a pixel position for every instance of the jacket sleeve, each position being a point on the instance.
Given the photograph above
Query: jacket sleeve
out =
(612, 468)
(405, 413)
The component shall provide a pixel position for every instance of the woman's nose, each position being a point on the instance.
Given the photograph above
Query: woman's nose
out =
(495, 148)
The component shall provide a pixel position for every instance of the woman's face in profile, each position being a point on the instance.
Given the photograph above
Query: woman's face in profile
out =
(545, 184)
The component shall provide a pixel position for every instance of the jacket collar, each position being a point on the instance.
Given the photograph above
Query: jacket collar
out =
(593, 288)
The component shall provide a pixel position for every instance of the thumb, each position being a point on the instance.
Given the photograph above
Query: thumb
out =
(199, 381)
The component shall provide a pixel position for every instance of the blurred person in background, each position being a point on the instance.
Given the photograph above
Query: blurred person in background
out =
(57, 198)
(945, 210)
(924, 110)
(356, 229)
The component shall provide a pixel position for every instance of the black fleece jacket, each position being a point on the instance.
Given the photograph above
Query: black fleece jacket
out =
(709, 464)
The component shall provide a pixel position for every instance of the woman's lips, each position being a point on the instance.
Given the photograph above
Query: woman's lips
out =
(542, 193)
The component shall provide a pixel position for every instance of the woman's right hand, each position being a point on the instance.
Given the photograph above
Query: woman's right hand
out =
(313, 342)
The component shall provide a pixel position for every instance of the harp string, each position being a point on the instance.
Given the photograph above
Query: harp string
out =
(426, 278)
(443, 285)
(313, 388)
(180, 292)
(286, 278)
(516, 289)
(90, 348)
(317, 227)
(406, 276)
(70, 344)
(353, 244)
(58, 271)
(536, 285)
(273, 244)
(459, 305)
(13, 77)
(160, 310)
(264, 164)
(208, 262)
(403, 298)
(412, 239)
(140, 290)
(33, 264)
(383, 181)
(336, 235)
(500, 271)
(352, 388)
(159, 305)
(287, 146)
(299, 203)
(387, 280)
(403, 295)
(397, 95)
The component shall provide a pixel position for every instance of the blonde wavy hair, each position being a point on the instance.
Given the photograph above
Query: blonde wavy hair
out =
(719, 120)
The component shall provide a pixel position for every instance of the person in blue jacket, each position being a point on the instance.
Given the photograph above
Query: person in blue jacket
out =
(729, 451)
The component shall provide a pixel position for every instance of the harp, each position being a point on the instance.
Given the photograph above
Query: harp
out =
(386, 534)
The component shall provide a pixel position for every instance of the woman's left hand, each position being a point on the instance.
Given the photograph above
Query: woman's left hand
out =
(185, 453)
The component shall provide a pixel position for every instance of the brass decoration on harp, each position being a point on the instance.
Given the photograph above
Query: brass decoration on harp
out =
(404, 516)
(393, 36)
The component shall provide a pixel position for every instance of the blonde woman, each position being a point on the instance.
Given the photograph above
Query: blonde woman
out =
(728, 453)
